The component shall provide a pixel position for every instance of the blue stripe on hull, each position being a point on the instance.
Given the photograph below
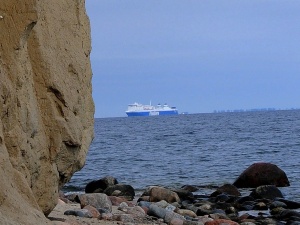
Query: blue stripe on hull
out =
(152, 113)
(137, 113)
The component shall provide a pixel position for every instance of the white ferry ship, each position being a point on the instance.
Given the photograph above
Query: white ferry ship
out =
(137, 109)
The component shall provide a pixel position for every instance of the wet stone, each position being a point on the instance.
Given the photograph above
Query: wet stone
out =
(277, 204)
(80, 213)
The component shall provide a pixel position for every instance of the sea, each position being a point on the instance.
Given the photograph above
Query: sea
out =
(205, 150)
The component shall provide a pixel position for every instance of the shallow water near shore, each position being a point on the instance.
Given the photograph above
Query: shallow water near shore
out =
(206, 150)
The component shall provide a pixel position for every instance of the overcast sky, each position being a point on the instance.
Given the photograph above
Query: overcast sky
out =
(197, 55)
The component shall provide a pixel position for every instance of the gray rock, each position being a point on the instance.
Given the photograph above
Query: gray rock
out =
(157, 211)
(144, 204)
(188, 222)
(172, 215)
(97, 200)
(79, 212)
(247, 223)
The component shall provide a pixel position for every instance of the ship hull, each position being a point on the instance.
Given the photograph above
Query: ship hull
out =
(152, 113)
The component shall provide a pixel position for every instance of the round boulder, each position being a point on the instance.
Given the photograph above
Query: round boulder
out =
(259, 174)
(98, 186)
(159, 193)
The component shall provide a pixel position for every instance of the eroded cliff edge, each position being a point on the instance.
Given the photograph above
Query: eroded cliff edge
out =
(46, 123)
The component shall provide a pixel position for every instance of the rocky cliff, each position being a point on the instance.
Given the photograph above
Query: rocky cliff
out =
(46, 108)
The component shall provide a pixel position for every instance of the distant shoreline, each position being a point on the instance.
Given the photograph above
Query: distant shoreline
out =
(253, 110)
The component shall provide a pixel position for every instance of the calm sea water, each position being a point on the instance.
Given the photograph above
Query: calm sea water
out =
(195, 149)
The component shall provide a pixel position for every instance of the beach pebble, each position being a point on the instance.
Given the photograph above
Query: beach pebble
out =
(125, 218)
(136, 211)
(204, 219)
(172, 215)
(93, 211)
(221, 221)
(123, 205)
(247, 223)
(116, 201)
(269, 221)
(106, 216)
(68, 222)
(188, 222)
(144, 204)
(176, 221)
(216, 216)
(79, 212)
(186, 212)
(156, 211)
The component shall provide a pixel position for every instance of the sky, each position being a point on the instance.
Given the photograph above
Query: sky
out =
(197, 55)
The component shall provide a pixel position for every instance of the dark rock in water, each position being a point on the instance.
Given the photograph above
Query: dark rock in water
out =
(277, 204)
(262, 174)
(289, 204)
(243, 199)
(222, 198)
(260, 206)
(222, 205)
(247, 205)
(294, 218)
(123, 190)
(184, 194)
(98, 186)
(190, 188)
(291, 222)
(276, 211)
(97, 200)
(266, 191)
(286, 214)
(226, 189)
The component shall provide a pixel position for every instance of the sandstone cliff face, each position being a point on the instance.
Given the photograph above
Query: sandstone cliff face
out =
(46, 108)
